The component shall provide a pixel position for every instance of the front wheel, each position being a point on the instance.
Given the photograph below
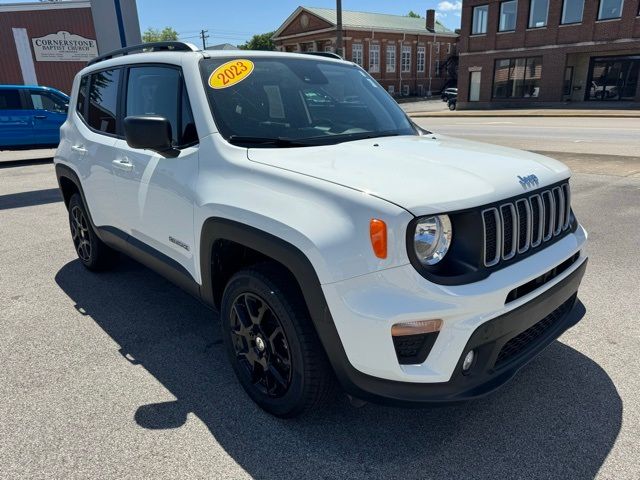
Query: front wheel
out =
(271, 343)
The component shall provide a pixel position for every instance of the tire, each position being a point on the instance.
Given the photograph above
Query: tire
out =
(272, 344)
(92, 252)
(452, 106)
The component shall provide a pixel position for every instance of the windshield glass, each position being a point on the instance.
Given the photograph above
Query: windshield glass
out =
(283, 101)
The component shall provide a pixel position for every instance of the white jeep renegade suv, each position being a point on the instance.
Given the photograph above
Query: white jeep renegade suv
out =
(341, 244)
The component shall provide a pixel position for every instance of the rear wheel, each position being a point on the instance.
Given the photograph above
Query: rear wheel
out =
(271, 343)
(92, 252)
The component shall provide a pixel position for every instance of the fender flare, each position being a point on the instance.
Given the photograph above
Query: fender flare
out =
(216, 228)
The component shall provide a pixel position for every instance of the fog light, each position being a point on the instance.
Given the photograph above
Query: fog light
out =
(468, 361)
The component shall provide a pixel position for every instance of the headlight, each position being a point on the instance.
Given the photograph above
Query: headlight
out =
(432, 238)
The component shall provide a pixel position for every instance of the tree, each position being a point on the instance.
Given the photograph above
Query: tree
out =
(157, 35)
(412, 14)
(259, 42)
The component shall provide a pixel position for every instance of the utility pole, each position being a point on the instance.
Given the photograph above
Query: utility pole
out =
(339, 27)
(204, 36)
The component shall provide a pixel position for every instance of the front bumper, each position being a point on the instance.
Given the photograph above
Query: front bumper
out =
(545, 318)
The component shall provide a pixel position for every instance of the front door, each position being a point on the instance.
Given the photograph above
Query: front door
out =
(156, 190)
(49, 112)
(474, 86)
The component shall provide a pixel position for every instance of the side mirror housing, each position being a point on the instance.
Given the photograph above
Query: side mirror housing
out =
(150, 132)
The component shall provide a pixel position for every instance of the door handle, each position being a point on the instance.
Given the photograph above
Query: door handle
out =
(123, 164)
(79, 149)
(40, 117)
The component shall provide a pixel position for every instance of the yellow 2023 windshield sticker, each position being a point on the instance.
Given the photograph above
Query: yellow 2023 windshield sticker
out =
(230, 73)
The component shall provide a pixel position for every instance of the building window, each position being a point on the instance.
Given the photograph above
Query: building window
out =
(391, 58)
(356, 53)
(328, 48)
(405, 90)
(610, 9)
(572, 11)
(437, 48)
(538, 13)
(392, 89)
(448, 49)
(437, 68)
(508, 13)
(479, 25)
(517, 77)
(374, 58)
(406, 59)
(421, 58)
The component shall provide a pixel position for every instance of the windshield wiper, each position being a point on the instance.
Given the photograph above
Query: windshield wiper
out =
(275, 141)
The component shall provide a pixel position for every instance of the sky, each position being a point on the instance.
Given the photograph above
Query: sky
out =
(236, 21)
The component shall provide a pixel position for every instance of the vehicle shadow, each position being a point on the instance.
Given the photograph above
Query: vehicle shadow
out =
(558, 419)
(30, 199)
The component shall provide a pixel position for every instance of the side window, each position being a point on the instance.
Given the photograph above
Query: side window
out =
(10, 100)
(158, 91)
(48, 102)
(82, 95)
(103, 100)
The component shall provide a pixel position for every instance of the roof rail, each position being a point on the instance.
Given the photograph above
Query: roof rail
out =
(147, 47)
(324, 54)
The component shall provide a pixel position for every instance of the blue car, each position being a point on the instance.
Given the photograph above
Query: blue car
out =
(31, 115)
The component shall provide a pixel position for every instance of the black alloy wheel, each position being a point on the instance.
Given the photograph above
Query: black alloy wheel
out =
(80, 233)
(271, 343)
(261, 345)
(92, 252)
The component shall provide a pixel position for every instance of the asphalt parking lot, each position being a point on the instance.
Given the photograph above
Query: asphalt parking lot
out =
(121, 375)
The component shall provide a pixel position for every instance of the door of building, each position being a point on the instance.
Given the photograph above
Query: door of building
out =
(474, 86)
(613, 78)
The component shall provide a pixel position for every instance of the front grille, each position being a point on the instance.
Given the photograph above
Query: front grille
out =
(513, 227)
(530, 337)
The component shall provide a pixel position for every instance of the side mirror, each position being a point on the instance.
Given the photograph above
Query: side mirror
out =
(152, 133)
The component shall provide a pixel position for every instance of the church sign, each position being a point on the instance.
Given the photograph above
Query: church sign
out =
(64, 47)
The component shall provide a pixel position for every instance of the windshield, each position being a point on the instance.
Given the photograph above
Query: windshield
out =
(281, 102)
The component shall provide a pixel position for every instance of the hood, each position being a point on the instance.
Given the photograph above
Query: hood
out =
(424, 175)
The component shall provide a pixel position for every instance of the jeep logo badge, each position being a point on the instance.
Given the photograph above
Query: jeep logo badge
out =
(528, 181)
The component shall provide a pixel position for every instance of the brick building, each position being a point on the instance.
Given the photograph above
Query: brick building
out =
(408, 56)
(549, 52)
(47, 43)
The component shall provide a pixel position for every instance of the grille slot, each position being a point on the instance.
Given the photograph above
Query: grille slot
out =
(510, 231)
(532, 336)
(513, 228)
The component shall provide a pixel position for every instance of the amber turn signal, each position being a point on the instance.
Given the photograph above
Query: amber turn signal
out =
(378, 234)
(416, 328)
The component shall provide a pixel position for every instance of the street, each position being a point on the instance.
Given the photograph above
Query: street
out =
(122, 375)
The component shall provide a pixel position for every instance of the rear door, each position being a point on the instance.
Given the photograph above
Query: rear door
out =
(155, 191)
(16, 122)
(92, 144)
(49, 112)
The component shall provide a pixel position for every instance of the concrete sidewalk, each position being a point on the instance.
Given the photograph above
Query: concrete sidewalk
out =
(548, 112)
